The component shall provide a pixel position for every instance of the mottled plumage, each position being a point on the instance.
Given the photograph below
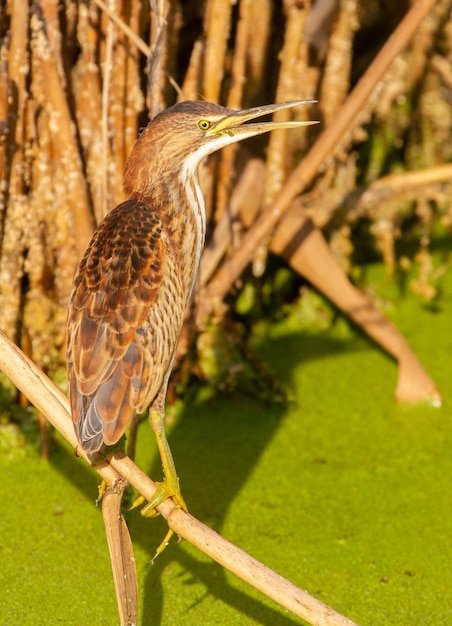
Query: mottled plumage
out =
(125, 315)
(133, 284)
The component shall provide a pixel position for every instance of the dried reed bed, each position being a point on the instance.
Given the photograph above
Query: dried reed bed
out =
(76, 86)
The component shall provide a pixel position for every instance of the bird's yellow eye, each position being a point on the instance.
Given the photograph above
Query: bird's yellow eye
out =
(204, 124)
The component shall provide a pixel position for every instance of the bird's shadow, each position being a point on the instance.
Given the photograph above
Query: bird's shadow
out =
(216, 444)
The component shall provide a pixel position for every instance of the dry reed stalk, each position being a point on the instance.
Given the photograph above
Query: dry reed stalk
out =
(134, 101)
(157, 56)
(422, 40)
(276, 161)
(4, 132)
(50, 17)
(287, 87)
(216, 32)
(429, 143)
(63, 135)
(175, 24)
(43, 246)
(122, 100)
(16, 170)
(336, 75)
(86, 80)
(18, 69)
(55, 406)
(191, 86)
(122, 106)
(12, 267)
(131, 34)
(108, 115)
(346, 118)
(434, 111)
(257, 53)
(303, 83)
(234, 101)
(121, 554)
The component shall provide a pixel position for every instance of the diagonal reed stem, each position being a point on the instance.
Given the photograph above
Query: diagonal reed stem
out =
(52, 403)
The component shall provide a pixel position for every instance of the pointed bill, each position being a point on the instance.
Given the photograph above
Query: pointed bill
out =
(235, 124)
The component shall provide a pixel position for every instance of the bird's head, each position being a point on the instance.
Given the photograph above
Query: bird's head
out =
(182, 135)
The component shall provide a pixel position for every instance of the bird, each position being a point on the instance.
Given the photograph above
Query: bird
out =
(132, 287)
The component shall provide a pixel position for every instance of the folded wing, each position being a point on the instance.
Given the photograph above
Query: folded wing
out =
(120, 324)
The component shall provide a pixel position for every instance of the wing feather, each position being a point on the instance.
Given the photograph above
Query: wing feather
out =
(122, 325)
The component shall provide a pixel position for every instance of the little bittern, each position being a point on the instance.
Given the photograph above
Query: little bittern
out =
(133, 284)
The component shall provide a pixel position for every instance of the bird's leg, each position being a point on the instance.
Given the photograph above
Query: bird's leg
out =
(169, 488)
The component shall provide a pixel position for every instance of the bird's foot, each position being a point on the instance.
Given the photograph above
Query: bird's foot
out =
(102, 489)
(164, 491)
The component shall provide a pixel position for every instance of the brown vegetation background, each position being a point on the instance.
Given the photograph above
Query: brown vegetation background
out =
(76, 87)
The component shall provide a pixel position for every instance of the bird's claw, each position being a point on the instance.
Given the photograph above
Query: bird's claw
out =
(163, 544)
(102, 488)
(163, 492)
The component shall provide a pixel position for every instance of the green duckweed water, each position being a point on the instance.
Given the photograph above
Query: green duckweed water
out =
(345, 493)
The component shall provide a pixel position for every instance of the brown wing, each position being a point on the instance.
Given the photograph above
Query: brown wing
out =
(118, 344)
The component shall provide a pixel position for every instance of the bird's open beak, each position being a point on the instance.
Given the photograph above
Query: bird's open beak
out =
(234, 124)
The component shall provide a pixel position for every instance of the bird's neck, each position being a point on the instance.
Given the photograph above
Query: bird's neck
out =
(179, 202)
(189, 184)
(171, 189)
